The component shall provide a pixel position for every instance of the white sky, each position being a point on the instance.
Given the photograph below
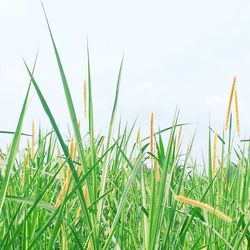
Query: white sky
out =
(181, 53)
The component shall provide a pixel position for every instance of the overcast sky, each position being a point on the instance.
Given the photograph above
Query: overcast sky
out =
(176, 53)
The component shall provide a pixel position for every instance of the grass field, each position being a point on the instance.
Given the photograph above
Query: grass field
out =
(119, 192)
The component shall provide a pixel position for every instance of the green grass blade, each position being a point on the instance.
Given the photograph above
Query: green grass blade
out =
(107, 158)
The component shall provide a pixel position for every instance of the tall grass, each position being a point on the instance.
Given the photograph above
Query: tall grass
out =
(101, 193)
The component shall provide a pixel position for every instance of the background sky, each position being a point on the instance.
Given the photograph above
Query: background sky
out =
(176, 53)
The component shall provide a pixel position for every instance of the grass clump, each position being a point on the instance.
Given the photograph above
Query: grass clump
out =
(101, 193)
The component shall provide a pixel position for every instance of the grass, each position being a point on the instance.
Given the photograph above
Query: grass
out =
(98, 192)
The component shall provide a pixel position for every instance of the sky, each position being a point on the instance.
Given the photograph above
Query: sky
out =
(176, 54)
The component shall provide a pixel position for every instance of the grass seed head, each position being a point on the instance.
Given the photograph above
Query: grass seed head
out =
(157, 171)
(230, 103)
(68, 175)
(64, 188)
(204, 206)
(214, 154)
(72, 149)
(138, 136)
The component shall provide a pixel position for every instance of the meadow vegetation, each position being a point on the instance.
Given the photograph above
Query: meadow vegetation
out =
(115, 191)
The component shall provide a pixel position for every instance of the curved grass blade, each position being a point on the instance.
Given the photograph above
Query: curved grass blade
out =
(107, 158)
(74, 121)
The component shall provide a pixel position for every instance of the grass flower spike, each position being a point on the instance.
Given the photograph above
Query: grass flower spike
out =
(230, 103)
(204, 206)
(214, 154)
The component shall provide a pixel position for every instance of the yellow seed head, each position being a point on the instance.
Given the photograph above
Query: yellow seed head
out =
(214, 155)
(204, 206)
(68, 175)
(59, 198)
(157, 172)
(138, 136)
(26, 158)
(85, 194)
(230, 103)
(86, 198)
(71, 148)
(74, 151)
(64, 188)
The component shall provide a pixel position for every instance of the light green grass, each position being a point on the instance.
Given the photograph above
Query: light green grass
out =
(122, 205)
